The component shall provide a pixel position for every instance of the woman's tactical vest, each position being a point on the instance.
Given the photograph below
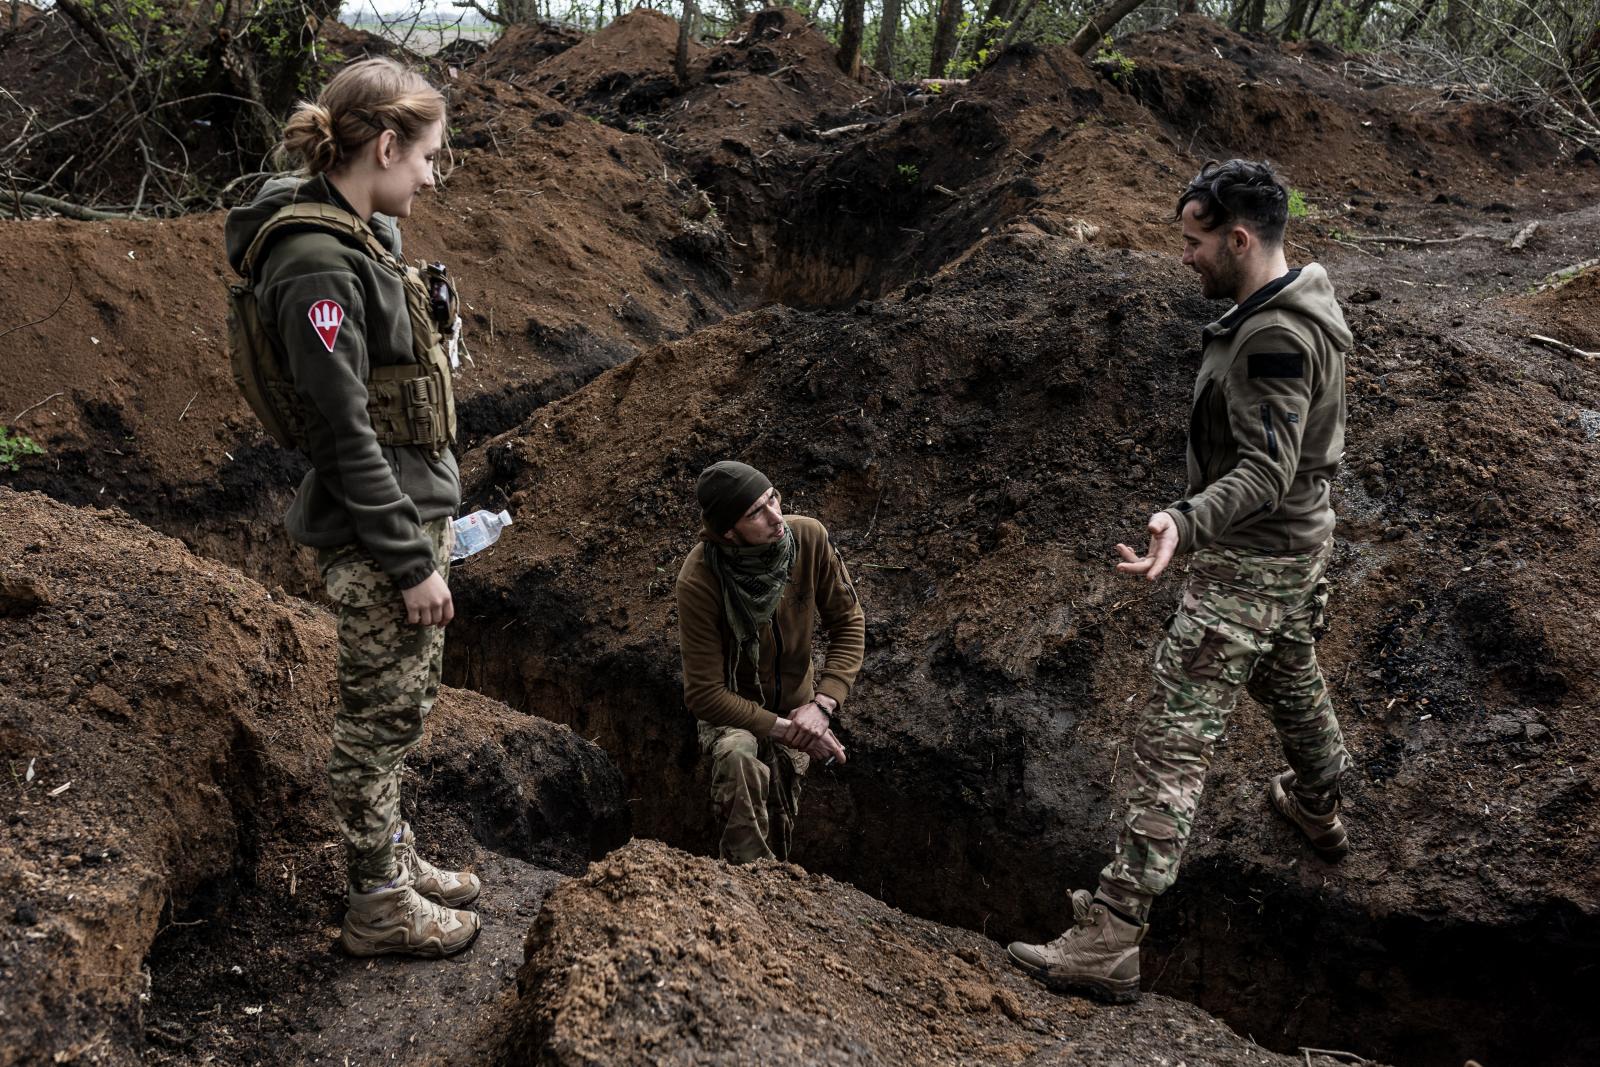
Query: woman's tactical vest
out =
(409, 403)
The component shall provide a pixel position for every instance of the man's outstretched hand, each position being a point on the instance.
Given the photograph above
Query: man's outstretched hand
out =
(1163, 543)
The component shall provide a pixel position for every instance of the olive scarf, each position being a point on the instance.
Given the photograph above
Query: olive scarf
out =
(752, 579)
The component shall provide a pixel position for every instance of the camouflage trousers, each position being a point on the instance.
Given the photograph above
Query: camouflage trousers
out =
(1244, 621)
(388, 680)
(755, 792)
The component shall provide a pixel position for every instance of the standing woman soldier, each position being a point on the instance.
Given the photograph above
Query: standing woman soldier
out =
(364, 390)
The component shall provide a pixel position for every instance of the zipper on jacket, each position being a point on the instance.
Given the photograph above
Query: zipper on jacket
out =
(777, 660)
(1200, 432)
(1272, 437)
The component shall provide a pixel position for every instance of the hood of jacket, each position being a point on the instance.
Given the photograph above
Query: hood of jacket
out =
(1305, 292)
(246, 220)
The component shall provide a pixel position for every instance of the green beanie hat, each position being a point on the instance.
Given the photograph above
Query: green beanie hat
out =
(726, 490)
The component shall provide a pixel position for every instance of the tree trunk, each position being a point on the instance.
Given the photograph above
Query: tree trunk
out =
(1236, 20)
(1586, 67)
(1016, 24)
(680, 63)
(1350, 33)
(91, 24)
(984, 35)
(1188, 7)
(944, 37)
(1293, 23)
(888, 30)
(1457, 24)
(1312, 16)
(1257, 16)
(1424, 9)
(1100, 25)
(853, 17)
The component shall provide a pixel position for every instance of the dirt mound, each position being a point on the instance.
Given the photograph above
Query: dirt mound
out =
(625, 68)
(573, 245)
(761, 98)
(166, 722)
(1042, 142)
(659, 957)
(1038, 143)
(1308, 108)
(348, 43)
(977, 444)
(1570, 309)
(519, 49)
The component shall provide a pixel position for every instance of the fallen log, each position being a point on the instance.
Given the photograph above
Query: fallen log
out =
(841, 131)
(1562, 346)
(1524, 235)
(1399, 240)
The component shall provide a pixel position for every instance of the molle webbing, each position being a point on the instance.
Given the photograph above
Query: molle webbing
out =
(408, 403)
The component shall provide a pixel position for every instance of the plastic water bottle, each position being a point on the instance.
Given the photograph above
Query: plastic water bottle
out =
(478, 531)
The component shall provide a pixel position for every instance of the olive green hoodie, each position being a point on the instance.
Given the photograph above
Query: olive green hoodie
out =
(357, 489)
(1267, 429)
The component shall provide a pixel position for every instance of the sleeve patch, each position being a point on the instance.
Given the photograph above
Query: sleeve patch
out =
(326, 317)
(1277, 365)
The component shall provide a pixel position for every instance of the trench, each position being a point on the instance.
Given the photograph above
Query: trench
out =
(966, 842)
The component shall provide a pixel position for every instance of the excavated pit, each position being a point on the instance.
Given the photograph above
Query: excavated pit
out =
(976, 449)
(168, 846)
(996, 402)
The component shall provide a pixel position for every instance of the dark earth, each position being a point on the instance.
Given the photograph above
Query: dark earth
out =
(960, 336)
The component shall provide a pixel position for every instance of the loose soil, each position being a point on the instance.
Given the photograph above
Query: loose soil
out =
(976, 372)
(977, 479)
(656, 956)
(168, 842)
(573, 246)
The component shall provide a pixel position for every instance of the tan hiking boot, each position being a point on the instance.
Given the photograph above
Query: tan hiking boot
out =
(1098, 956)
(399, 920)
(453, 889)
(1325, 832)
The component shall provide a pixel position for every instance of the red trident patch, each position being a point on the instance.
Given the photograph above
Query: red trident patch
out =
(326, 316)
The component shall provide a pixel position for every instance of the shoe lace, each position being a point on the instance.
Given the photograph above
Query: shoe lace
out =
(419, 906)
(420, 867)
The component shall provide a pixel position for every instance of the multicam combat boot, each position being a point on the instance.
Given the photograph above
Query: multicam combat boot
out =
(1098, 956)
(399, 920)
(1324, 831)
(453, 889)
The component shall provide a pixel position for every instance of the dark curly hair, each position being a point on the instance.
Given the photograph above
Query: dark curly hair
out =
(1243, 191)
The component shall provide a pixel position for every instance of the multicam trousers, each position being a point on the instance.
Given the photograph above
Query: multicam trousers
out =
(1244, 621)
(388, 680)
(755, 792)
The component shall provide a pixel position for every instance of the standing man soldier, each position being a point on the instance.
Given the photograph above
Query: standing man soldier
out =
(1265, 438)
(749, 595)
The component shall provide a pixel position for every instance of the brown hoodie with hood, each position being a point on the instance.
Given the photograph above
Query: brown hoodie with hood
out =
(1266, 433)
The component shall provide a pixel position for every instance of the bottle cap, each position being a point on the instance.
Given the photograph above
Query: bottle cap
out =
(505, 518)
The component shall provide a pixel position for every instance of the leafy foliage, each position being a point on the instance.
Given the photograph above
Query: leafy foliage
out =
(14, 444)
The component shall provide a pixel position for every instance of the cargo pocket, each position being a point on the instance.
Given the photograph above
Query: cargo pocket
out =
(1319, 611)
(355, 581)
(1208, 659)
(1196, 647)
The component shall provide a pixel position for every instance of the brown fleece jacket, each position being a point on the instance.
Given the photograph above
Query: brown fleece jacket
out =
(818, 585)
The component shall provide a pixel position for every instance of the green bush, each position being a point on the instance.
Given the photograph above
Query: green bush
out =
(1122, 66)
(14, 444)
